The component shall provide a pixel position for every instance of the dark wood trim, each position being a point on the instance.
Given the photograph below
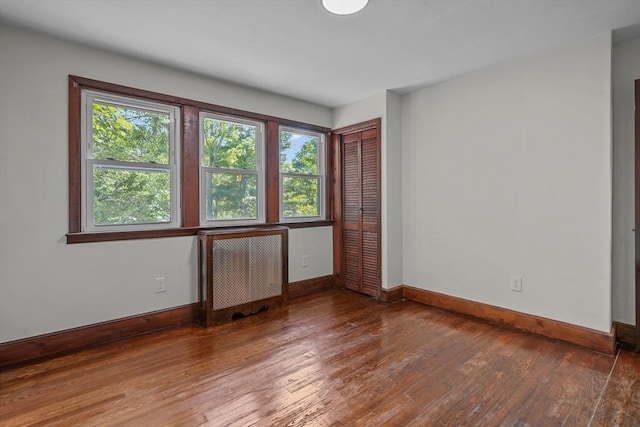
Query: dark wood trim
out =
(226, 315)
(378, 130)
(75, 156)
(87, 83)
(190, 172)
(110, 236)
(285, 269)
(337, 208)
(359, 127)
(637, 213)
(272, 172)
(328, 176)
(595, 340)
(391, 295)
(235, 232)
(58, 343)
(310, 286)
(190, 167)
(176, 100)
(310, 224)
(625, 334)
(373, 125)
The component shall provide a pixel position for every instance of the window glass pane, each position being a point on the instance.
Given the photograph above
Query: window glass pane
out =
(130, 135)
(300, 196)
(124, 196)
(229, 145)
(231, 196)
(298, 153)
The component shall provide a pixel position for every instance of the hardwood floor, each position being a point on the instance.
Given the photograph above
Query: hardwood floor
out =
(331, 358)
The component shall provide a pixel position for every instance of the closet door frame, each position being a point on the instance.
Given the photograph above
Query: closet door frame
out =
(637, 214)
(338, 224)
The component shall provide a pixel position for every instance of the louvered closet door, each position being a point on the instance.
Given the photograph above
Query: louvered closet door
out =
(361, 212)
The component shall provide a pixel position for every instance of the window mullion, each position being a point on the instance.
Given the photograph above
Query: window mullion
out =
(300, 175)
(116, 164)
(232, 171)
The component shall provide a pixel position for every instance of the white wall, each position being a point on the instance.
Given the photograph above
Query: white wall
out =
(387, 106)
(503, 171)
(369, 108)
(392, 192)
(507, 171)
(625, 70)
(317, 245)
(47, 285)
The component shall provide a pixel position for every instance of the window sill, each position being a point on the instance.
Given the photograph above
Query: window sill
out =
(308, 224)
(109, 236)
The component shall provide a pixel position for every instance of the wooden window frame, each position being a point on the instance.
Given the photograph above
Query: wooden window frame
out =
(320, 175)
(189, 178)
(637, 212)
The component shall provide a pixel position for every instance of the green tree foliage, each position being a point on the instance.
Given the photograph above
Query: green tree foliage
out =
(130, 193)
(230, 194)
(300, 196)
(130, 135)
(130, 196)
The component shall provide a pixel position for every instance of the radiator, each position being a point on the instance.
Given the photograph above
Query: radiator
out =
(241, 272)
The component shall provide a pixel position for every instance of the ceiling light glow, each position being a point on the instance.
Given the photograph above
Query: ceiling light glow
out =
(344, 7)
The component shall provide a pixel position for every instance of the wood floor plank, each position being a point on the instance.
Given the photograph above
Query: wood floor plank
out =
(334, 358)
(620, 404)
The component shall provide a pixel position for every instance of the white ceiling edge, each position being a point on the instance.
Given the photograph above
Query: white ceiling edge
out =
(627, 33)
(327, 60)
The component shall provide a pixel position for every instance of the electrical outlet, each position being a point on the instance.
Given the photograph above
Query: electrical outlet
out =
(305, 260)
(516, 283)
(161, 285)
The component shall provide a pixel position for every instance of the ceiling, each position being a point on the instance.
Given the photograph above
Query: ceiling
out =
(296, 48)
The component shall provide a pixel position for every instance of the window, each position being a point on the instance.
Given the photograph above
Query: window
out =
(231, 170)
(146, 164)
(302, 166)
(130, 166)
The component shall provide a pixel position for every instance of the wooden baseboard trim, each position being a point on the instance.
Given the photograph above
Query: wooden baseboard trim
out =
(595, 340)
(310, 286)
(57, 343)
(625, 334)
(392, 294)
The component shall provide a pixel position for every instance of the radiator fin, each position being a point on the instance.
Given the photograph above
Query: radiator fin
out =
(246, 269)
